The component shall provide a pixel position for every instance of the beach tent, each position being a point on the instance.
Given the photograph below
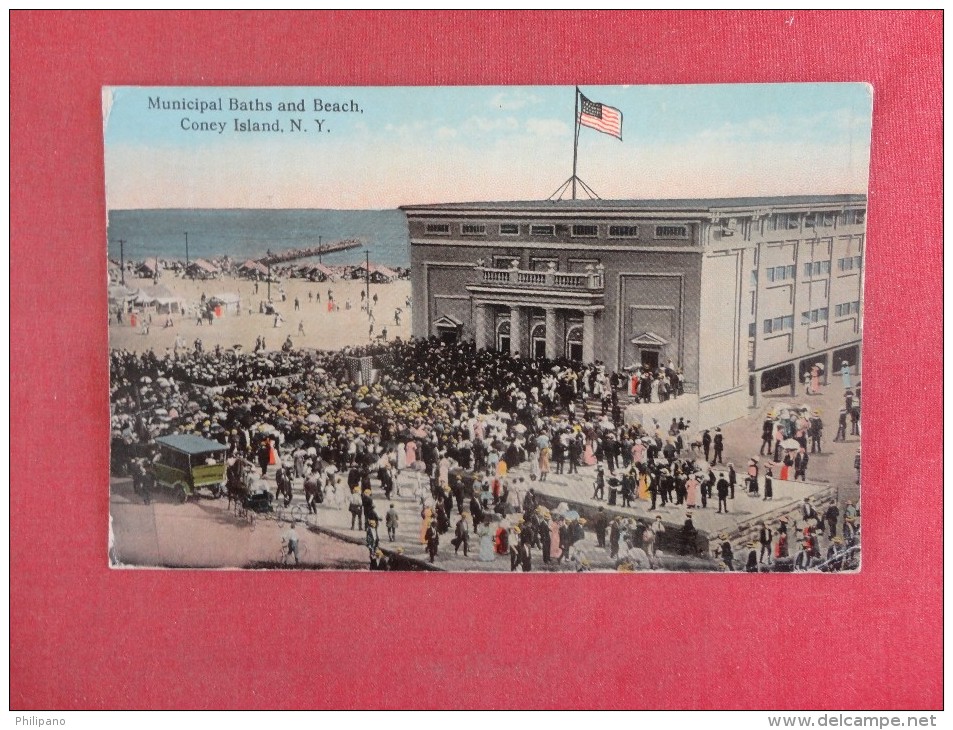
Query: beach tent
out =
(320, 272)
(159, 296)
(149, 268)
(253, 269)
(378, 274)
(226, 302)
(119, 295)
(201, 269)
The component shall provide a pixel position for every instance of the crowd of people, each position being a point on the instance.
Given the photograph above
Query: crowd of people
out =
(459, 418)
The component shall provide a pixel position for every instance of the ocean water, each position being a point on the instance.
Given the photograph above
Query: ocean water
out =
(243, 234)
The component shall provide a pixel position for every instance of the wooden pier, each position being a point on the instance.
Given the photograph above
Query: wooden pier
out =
(302, 253)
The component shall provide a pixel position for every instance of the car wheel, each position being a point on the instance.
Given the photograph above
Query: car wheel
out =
(180, 494)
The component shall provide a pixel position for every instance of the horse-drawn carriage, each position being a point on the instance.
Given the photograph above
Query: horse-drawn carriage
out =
(252, 498)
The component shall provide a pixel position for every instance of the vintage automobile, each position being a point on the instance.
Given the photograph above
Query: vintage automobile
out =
(186, 463)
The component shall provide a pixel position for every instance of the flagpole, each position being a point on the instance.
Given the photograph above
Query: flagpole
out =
(575, 144)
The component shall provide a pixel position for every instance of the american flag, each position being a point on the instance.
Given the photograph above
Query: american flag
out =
(600, 117)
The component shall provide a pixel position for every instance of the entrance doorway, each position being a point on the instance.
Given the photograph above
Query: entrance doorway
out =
(448, 335)
(649, 358)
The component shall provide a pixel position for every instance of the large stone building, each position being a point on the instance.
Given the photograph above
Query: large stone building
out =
(745, 294)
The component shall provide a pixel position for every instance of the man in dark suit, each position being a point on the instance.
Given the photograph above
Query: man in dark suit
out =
(767, 435)
(559, 454)
(722, 488)
(462, 536)
(575, 453)
(800, 465)
(719, 444)
(764, 539)
(816, 430)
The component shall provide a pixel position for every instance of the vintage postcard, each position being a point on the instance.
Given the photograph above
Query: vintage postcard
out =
(512, 329)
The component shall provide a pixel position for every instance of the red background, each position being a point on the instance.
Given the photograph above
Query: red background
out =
(83, 636)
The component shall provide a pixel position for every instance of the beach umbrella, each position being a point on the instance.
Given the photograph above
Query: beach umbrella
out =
(163, 382)
(520, 428)
(161, 412)
(571, 515)
(314, 418)
(145, 379)
(790, 444)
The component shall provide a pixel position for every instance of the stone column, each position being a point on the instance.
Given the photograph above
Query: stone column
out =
(516, 331)
(756, 395)
(551, 333)
(588, 337)
(479, 326)
(794, 379)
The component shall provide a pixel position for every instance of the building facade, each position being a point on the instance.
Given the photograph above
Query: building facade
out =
(745, 295)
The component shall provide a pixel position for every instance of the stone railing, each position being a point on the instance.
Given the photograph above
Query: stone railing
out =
(592, 278)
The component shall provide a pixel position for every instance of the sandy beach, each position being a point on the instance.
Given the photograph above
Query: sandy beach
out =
(322, 329)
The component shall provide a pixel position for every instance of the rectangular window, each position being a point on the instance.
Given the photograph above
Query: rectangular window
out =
(580, 231)
(777, 324)
(808, 270)
(859, 217)
(767, 326)
(671, 231)
(810, 220)
(839, 310)
(438, 229)
(623, 231)
(788, 323)
(828, 220)
(822, 314)
(805, 317)
(855, 307)
(770, 272)
(757, 255)
(754, 277)
(790, 272)
(577, 266)
(540, 264)
(753, 304)
(542, 230)
(473, 229)
(509, 229)
(857, 262)
(825, 267)
(751, 330)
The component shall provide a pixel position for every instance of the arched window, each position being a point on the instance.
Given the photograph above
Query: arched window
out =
(503, 336)
(574, 343)
(539, 341)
